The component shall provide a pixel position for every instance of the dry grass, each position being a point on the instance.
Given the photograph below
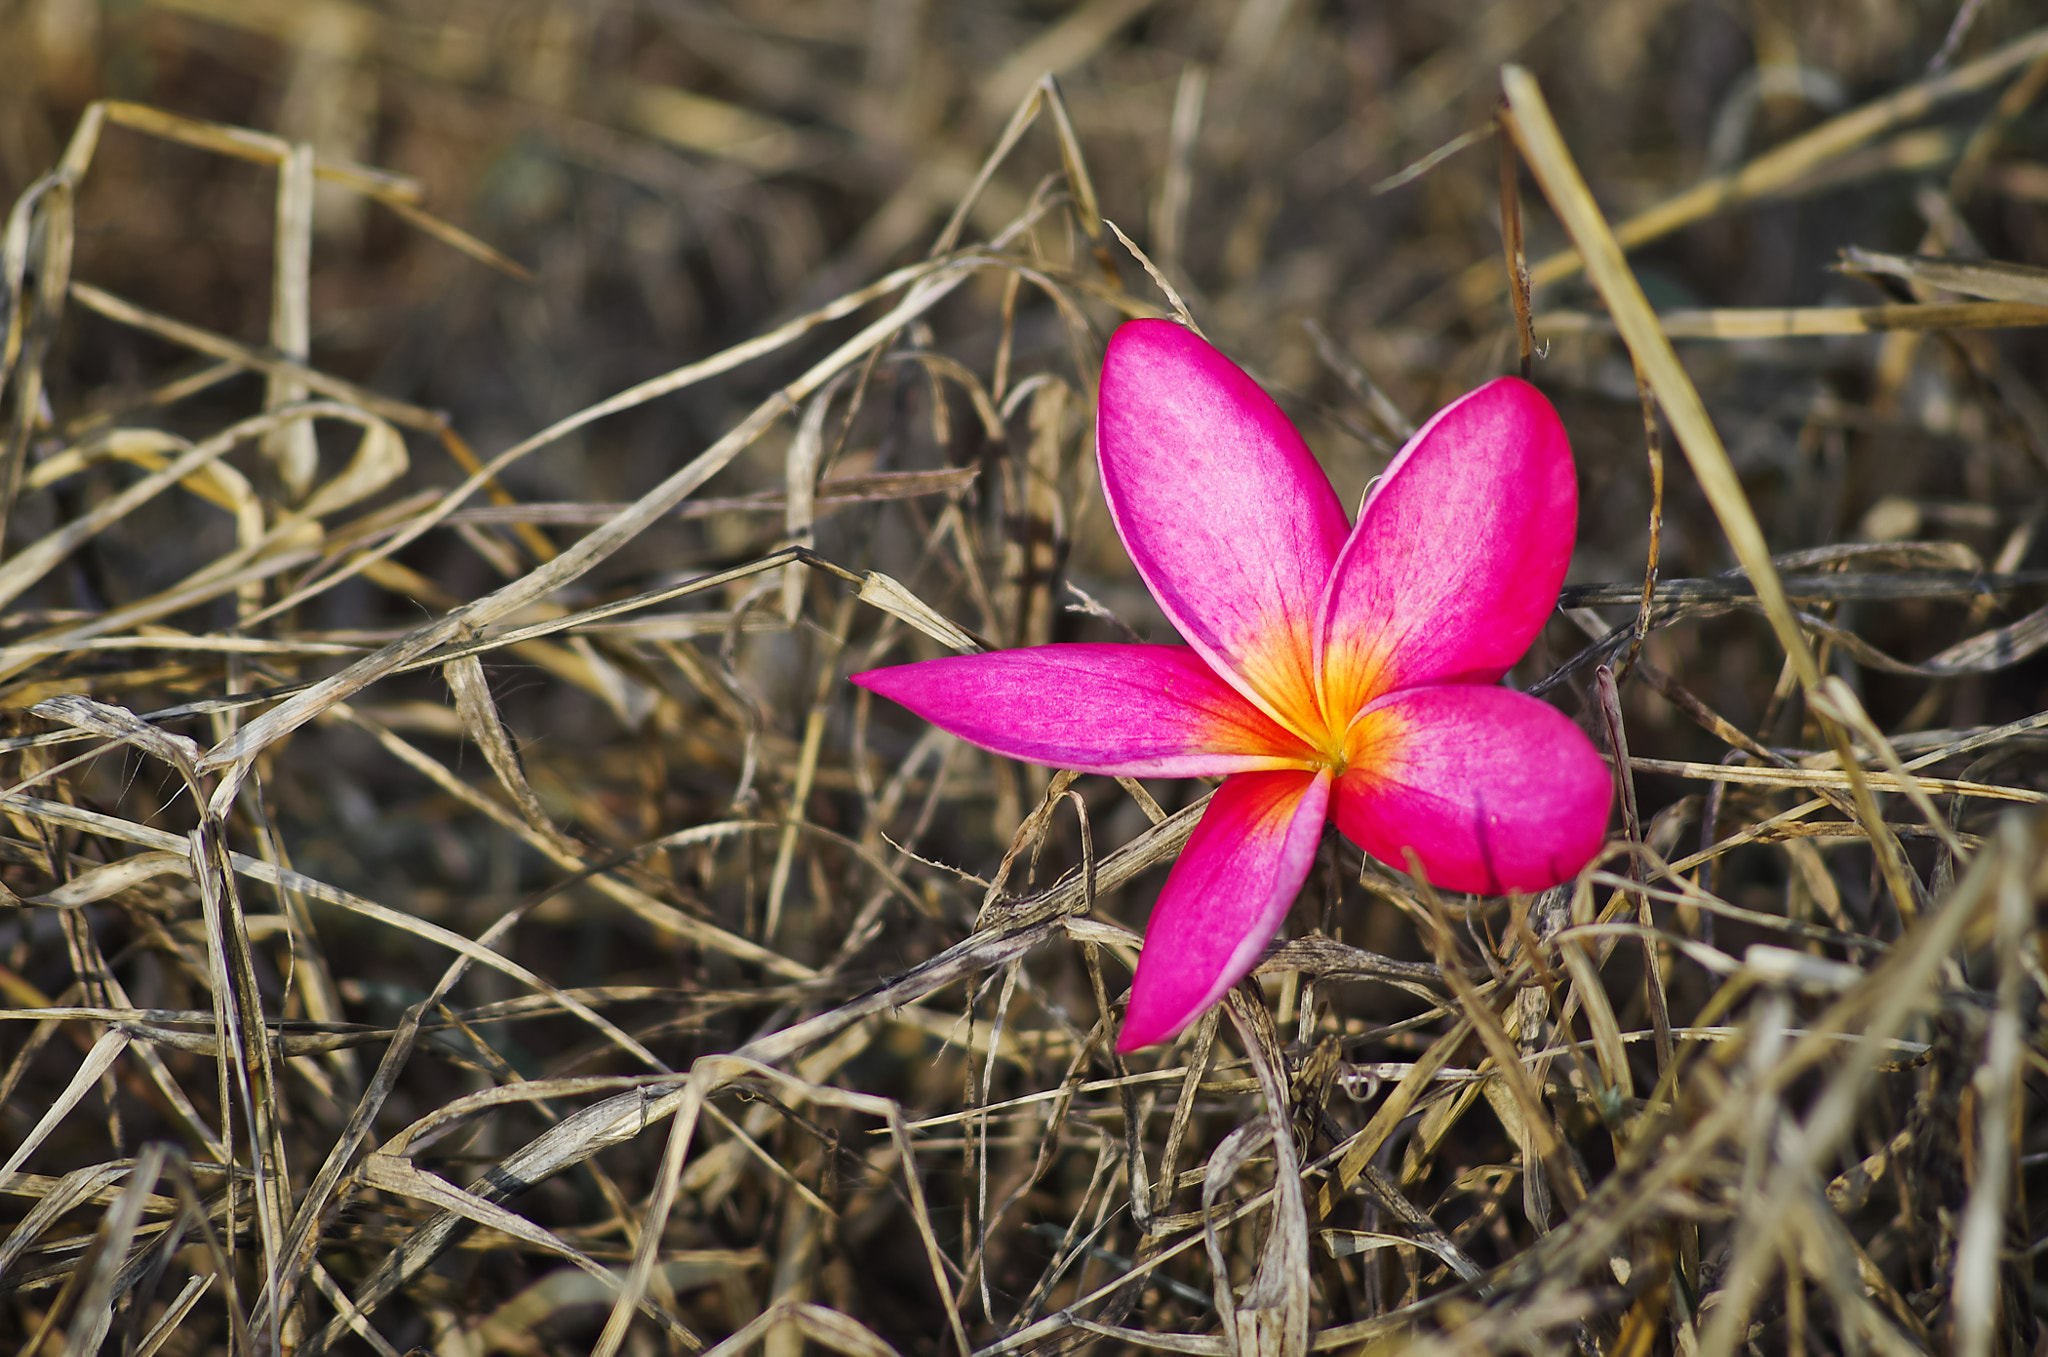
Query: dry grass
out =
(456, 903)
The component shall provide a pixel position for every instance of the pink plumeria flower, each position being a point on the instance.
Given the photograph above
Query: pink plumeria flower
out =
(1332, 673)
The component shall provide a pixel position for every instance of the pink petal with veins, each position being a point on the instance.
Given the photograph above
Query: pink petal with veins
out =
(1458, 554)
(1225, 898)
(1493, 790)
(1135, 710)
(1223, 508)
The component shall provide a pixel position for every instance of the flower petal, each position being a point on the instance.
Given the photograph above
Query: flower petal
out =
(1458, 554)
(1494, 790)
(1225, 898)
(1223, 509)
(1139, 711)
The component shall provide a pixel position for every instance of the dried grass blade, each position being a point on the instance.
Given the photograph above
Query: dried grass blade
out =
(1779, 169)
(1592, 995)
(36, 327)
(1273, 1320)
(556, 1291)
(1828, 777)
(314, 889)
(221, 138)
(447, 1117)
(1074, 161)
(800, 488)
(291, 448)
(103, 882)
(173, 1317)
(272, 366)
(826, 660)
(714, 127)
(14, 249)
(1369, 392)
(1028, 104)
(1608, 697)
(203, 645)
(348, 1317)
(380, 458)
(119, 723)
(1177, 185)
(569, 1142)
(396, 1174)
(445, 232)
(245, 1048)
(56, 1197)
(41, 556)
(1414, 170)
(97, 1062)
(1839, 701)
(1223, 1165)
(94, 1314)
(392, 189)
(1992, 279)
(302, 1240)
(1392, 1111)
(152, 1063)
(567, 854)
(1479, 1013)
(891, 597)
(591, 616)
(832, 493)
(245, 744)
(479, 712)
(173, 600)
(1980, 1236)
(195, 1217)
(1814, 322)
(1514, 257)
(1653, 443)
(1980, 654)
(827, 1328)
(1159, 279)
(708, 1073)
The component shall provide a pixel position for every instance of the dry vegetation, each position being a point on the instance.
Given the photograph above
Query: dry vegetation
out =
(454, 901)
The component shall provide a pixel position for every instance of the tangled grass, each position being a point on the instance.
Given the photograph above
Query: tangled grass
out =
(455, 902)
